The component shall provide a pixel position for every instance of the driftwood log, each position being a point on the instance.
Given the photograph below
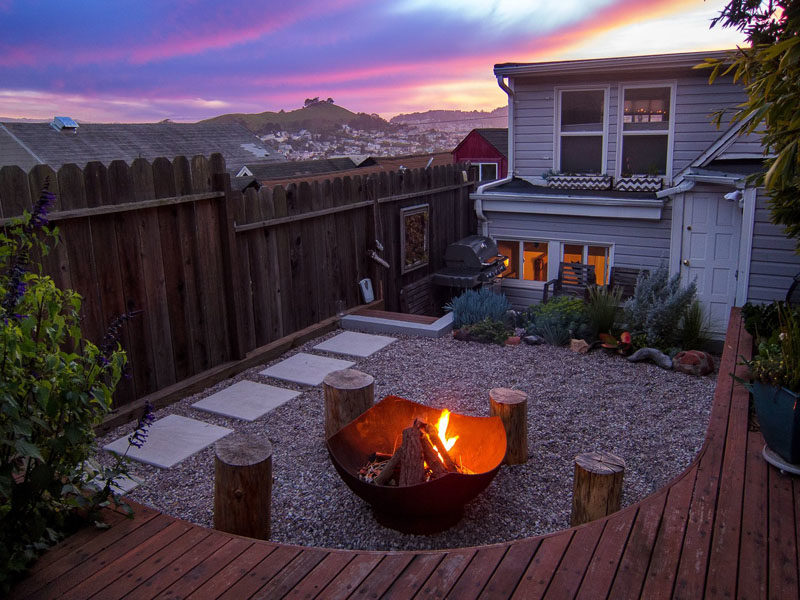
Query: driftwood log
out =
(512, 408)
(348, 394)
(597, 488)
(243, 486)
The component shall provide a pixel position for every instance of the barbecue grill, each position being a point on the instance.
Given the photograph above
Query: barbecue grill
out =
(470, 262)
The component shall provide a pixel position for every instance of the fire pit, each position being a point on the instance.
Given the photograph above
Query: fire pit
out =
(433, 504)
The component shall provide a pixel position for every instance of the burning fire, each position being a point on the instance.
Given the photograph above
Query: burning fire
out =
(441, 425)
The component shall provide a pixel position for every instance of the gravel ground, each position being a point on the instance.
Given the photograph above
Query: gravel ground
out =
(654, 419)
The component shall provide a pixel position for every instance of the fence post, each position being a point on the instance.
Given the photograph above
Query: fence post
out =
(232, 279)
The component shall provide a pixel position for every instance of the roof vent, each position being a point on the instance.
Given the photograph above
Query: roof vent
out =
(59, 123)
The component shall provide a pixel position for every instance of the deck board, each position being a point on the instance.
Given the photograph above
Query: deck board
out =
(729, 526)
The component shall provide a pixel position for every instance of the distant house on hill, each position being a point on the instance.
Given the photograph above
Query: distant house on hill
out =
(64, 141)
(487, 149)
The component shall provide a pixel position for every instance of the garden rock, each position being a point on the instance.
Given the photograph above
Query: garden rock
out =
(658, 357)
(579, 346)
(693, 362)
(533, 340)
(513, 340)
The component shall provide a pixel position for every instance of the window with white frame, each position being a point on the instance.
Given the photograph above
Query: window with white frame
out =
(487, 171)
(533, 261)
(581, 122)
(645, 130)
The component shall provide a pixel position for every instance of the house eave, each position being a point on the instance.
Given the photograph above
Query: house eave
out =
(572, 205)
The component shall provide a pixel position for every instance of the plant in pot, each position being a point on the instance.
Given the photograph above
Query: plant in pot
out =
(775, 385)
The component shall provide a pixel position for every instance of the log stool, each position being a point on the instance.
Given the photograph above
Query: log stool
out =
(243, 486)
(597, 488)
(512, 408)
(348, 394)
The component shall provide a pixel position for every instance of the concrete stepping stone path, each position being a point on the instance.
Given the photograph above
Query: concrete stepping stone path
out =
(170, 440)
(307, 369)
(354, 343)
(247, 400)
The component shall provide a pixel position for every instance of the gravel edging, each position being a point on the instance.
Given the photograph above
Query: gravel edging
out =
(654, 419)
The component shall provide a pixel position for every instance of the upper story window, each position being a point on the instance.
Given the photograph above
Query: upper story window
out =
(646, 126)
(581, 131)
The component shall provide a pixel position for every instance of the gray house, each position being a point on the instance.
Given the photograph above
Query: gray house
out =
(615, 162)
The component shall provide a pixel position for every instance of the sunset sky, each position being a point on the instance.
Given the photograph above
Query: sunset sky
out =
(142, 60)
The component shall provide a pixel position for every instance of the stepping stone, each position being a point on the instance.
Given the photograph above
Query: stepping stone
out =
(307, 369)
(121, 484)
(170, 440)
(355, 344)
(245, 400)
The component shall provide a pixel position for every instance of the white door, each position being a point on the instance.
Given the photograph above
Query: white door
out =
(710, 252)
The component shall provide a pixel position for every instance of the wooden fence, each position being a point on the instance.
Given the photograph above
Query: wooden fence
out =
(216, 273)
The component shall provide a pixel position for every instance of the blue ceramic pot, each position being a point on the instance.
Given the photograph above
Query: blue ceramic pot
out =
(779, 417)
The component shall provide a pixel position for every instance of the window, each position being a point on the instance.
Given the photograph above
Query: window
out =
(532, 256)
(487, 171)
(645, 130)
(590, 255)
(581, 131)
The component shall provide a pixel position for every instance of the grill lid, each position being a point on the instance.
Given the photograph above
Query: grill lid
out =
(473, 252)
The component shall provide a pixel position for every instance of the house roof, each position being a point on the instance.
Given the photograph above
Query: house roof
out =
(496, 137)
(300, 168)
(28, 144)
(619, 64)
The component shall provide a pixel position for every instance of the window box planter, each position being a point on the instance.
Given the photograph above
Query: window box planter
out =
(779, 417)
(639, 183)
(580, 182)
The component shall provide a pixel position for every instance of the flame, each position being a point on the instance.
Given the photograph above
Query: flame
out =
(441, 425)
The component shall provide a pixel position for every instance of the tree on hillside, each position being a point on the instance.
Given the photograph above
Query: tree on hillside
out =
(769, 68)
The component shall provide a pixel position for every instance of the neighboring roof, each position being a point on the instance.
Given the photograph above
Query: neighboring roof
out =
(300, 168)
(621, 64)
(106, 142)
(496, 137)
(376, 164)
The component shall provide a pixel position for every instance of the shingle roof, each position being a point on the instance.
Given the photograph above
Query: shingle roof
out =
(106, 142)
(299, 168)
(497, 137)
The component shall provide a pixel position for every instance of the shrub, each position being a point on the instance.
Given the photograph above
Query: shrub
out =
(489, 331)
(474, 306)
(54, 387)
(694, 329)
(559, 320)
(657, 307)
(602, 307)
(761, 320)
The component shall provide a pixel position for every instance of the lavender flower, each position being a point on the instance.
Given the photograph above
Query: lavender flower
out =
(139, 436)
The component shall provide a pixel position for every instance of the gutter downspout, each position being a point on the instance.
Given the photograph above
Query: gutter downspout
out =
(484, 221)
(681, 188)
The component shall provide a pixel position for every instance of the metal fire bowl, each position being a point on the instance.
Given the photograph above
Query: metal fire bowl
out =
(481, 448)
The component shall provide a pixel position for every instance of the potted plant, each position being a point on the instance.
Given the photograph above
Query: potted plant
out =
(775, 385)
(630, 182)
(578, 181)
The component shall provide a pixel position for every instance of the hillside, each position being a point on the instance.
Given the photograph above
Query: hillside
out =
(315, 116)
(450, 120)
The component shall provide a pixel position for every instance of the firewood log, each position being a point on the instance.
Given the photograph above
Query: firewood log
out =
(412, 469)
(437, 442)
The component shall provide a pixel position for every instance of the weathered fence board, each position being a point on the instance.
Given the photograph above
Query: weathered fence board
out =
(217, 274)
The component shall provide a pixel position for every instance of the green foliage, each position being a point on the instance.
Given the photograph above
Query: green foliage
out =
(761, 320)
(602, 307)
(54, 387)
(694, 329)
(488, 331)
(656, 308)
(623, 345)
(474, 306)
(558, 320)
(770, 71)
(778, 359)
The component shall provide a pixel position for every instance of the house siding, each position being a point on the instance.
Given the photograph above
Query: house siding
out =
(637, 243)
(695, 102)
(773, 263)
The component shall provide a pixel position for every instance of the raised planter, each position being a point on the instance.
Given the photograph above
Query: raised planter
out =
(639, 183)
(580, 182)
(779, 417)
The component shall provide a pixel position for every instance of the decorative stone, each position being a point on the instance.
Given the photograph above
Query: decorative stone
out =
(461, 334)
(533, 340)
(513, 340)
(579, 346)
(693, 362)
(658, 357)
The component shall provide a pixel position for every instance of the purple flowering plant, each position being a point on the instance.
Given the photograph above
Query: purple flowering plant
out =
(55, 386)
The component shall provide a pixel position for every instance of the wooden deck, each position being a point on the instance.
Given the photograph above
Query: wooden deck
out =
(727, 527)
(396, 316)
